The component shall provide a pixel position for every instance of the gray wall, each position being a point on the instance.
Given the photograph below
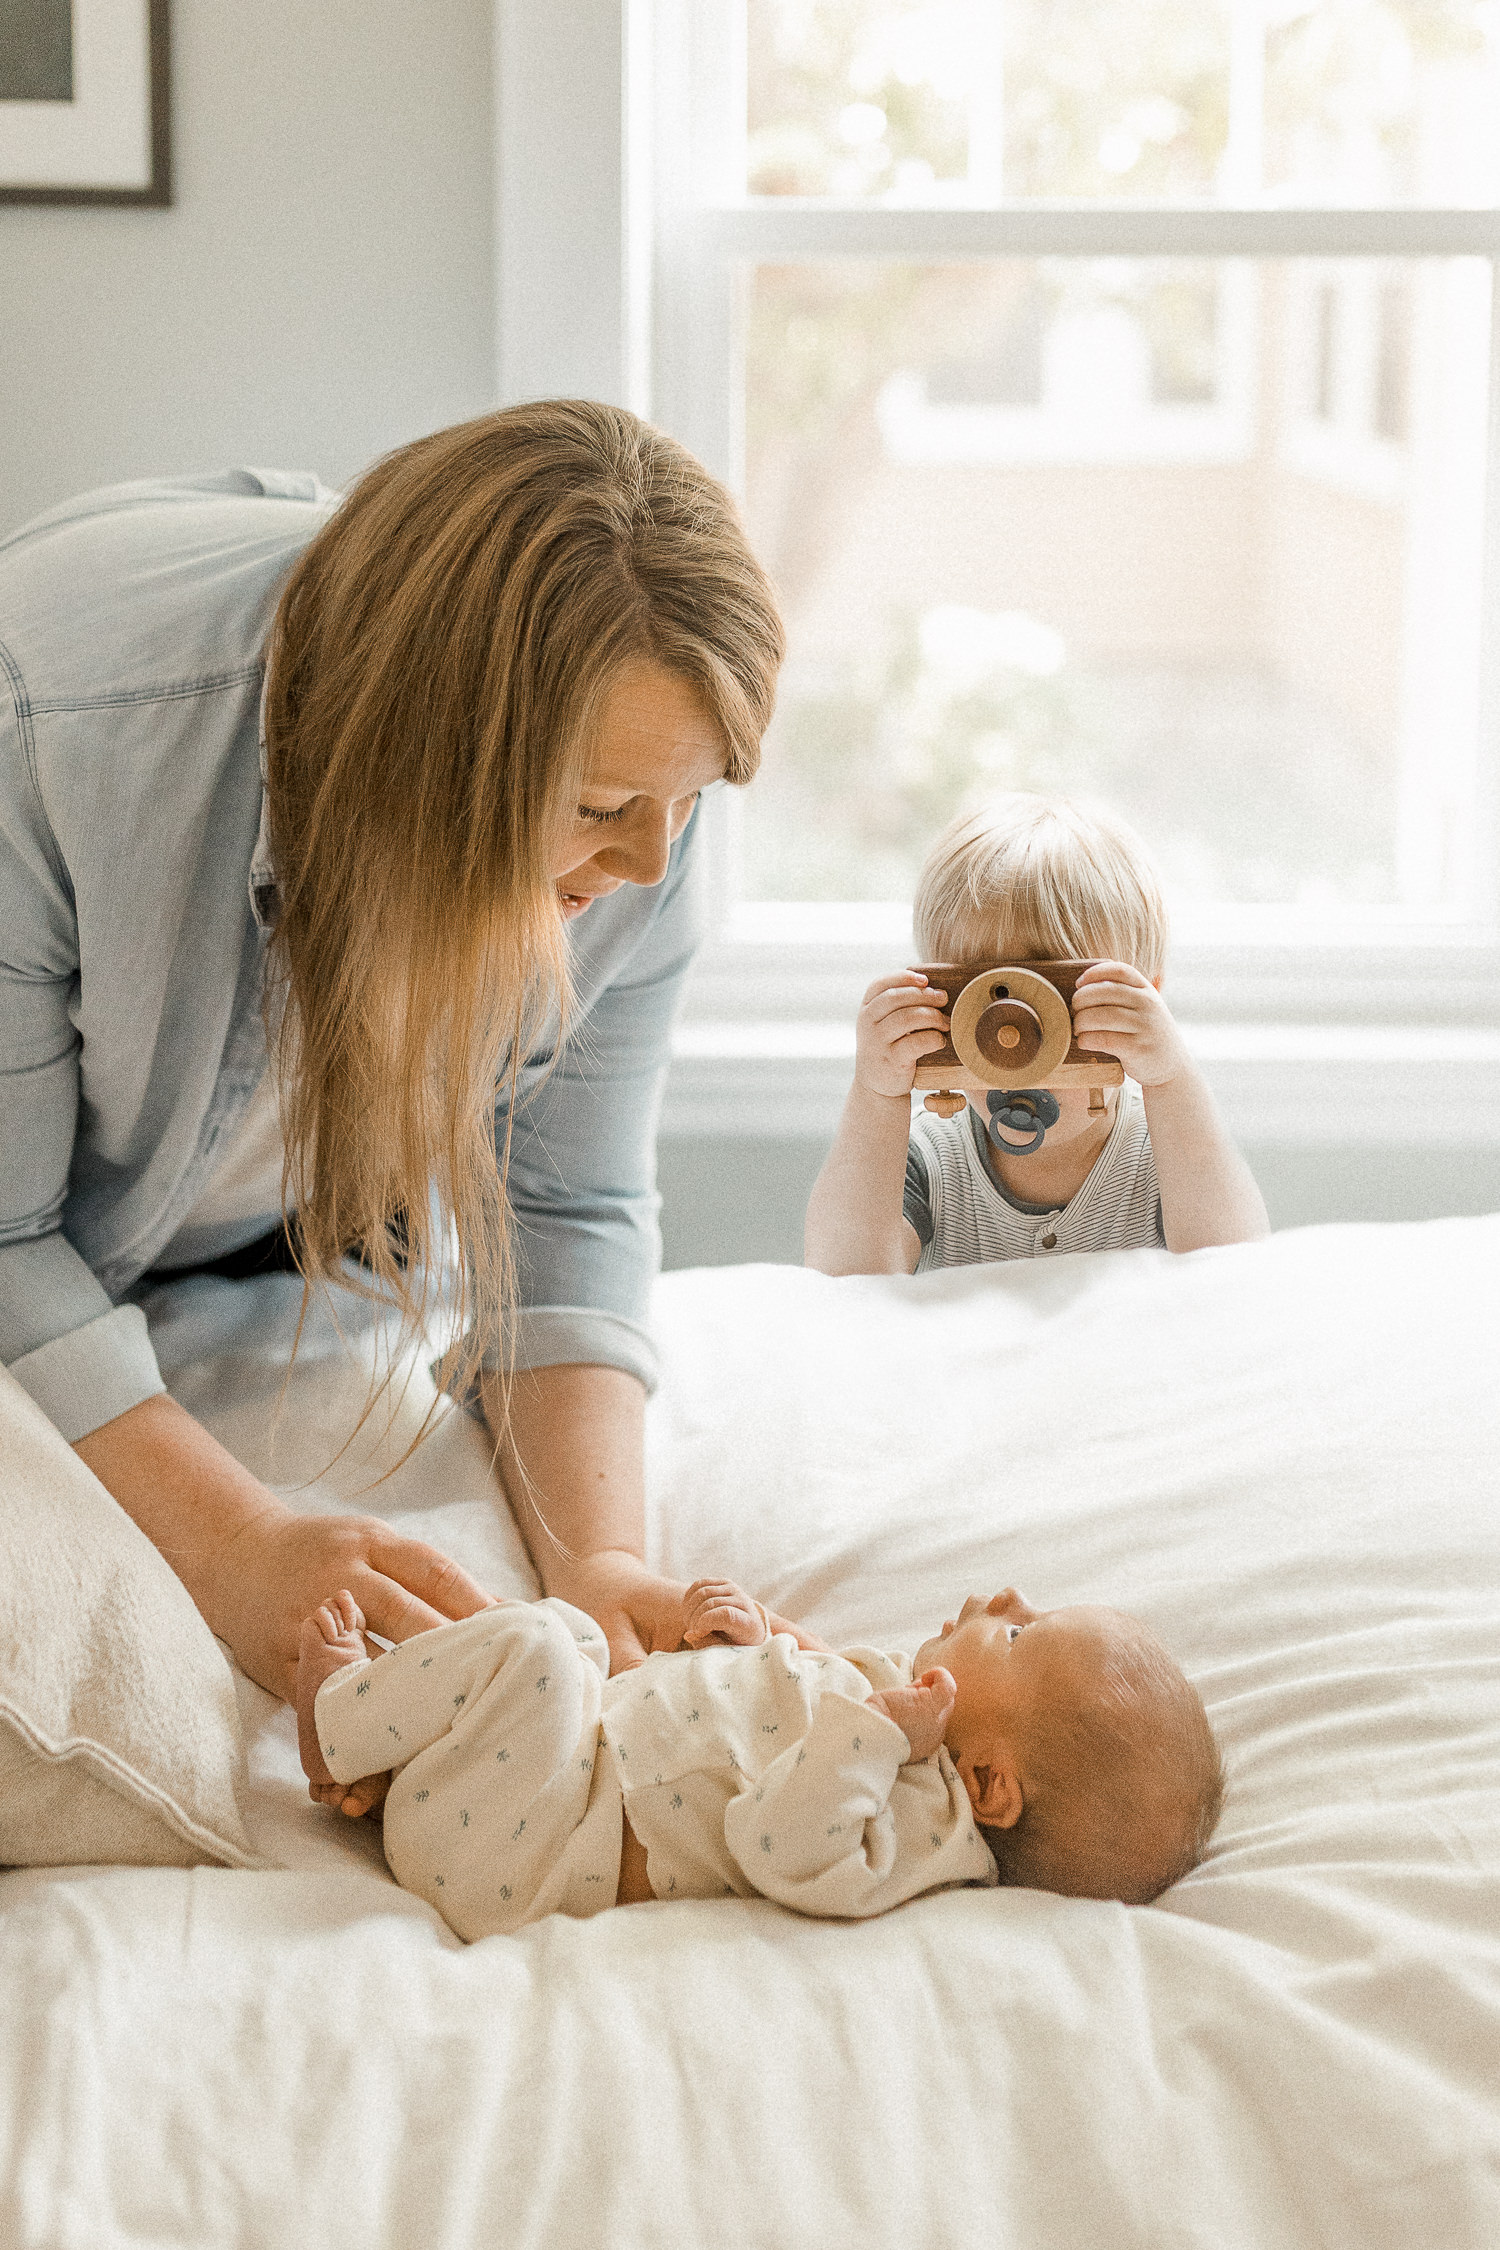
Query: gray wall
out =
(733, 1202)
(321, 290)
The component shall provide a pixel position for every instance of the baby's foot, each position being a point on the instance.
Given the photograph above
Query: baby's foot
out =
(331, 1638)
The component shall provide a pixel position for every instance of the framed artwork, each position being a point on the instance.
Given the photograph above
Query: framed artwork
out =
(83, 102)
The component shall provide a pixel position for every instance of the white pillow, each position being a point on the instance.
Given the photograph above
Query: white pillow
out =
(120, 1737)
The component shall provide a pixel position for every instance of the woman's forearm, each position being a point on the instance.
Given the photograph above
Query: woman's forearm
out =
(572, 1459)
(190, 1496)
(254, 1568)
(854, 1212)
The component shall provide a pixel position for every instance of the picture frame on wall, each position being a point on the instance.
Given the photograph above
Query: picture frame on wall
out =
(84, 114)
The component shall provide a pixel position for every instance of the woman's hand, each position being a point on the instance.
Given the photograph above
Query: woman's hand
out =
(254, 1568)
(572, 1461)
(637, 1610)
(571, 1442)
(279, 1568)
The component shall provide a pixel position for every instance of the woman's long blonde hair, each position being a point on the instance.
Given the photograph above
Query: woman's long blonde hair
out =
(439, 661)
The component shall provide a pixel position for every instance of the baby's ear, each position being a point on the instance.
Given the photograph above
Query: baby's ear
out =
(994, 1794)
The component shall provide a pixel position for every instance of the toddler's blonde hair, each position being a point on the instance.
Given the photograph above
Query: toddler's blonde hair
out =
(1040, 879)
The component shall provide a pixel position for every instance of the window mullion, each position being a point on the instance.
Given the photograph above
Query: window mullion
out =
(698, 163)
(1486, 797)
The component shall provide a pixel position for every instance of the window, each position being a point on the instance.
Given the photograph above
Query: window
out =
(1074, 525)
(1111, 388)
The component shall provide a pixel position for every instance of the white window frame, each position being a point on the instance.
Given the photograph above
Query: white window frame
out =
(621, 226)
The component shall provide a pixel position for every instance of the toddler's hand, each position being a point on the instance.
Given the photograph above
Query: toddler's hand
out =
(715, 1609)
(1118, 1011)
(900, 1020)
(921, 1711)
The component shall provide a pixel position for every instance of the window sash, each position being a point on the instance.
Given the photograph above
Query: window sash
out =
(638, 298)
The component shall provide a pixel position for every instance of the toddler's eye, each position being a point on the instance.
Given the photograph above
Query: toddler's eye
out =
(1012, 1632)
(591, 812)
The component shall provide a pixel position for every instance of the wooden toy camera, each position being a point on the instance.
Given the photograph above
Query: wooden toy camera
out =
(1010, 1025)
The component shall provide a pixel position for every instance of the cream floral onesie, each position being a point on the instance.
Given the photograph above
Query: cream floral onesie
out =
(746, 1772)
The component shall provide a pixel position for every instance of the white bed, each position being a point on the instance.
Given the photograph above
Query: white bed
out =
(1286, 1458)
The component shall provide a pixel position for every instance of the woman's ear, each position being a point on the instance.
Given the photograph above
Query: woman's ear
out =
(995, 1794)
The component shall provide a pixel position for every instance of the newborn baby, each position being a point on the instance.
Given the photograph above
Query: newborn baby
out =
(1060, 1749)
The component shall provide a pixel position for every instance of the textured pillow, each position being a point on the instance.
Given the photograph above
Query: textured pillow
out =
(119, 1734)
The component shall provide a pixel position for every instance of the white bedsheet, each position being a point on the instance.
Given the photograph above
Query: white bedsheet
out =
(1284, 1457)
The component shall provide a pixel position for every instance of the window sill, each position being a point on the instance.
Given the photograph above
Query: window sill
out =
(1277, 1085)
(795, 965)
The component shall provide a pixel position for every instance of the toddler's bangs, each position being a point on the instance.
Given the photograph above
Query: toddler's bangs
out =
(1040, 878)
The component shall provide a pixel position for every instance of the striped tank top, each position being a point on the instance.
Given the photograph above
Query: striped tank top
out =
(965, 1218)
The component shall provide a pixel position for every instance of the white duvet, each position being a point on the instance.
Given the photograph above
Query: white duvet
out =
(1285, 1458)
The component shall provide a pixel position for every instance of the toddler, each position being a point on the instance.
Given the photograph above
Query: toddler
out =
(1063, 1750)
(1030, 879)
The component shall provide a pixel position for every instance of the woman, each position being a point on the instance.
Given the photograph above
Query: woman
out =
(344, 859)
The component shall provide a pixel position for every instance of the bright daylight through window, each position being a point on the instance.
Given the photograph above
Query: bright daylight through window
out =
(1199, 535)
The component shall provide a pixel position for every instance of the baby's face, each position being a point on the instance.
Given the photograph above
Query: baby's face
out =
(981, 1625)
(998, 1650)
(1012, 1665)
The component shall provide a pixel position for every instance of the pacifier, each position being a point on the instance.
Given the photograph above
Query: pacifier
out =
(1031, 1109)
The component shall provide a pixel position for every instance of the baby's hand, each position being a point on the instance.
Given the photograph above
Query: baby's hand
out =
(921, 1711)
(1118, 1011)
(900, 1020)
(715, 1609)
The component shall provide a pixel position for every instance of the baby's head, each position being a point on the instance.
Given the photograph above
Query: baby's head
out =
(1039, 879)
(1086, 1753)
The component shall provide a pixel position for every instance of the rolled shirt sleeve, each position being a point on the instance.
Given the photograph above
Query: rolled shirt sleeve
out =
(582, 1173)
(816, 1833)
(85, 1377)
(81, 1358)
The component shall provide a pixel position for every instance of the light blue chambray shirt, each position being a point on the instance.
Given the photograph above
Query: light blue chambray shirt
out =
(136, 893)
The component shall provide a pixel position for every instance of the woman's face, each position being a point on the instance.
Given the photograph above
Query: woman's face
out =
(657, 747)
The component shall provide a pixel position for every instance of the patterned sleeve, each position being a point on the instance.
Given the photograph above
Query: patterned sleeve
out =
(816, 1832)
(842, 1824)
(916, 1198)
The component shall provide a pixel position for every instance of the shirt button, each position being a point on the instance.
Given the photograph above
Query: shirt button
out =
(1049, 1241)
